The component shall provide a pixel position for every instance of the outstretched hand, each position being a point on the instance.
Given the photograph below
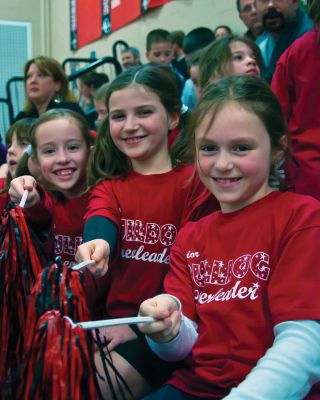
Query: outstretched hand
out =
(166, 311)
(97, 250)
(19, 185)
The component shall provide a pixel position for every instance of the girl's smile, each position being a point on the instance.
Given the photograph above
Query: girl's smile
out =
(234, 156)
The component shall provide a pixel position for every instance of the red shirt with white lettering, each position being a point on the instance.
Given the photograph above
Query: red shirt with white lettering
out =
(64, 220)
(68, 224)
(148, 210)
(238, 275)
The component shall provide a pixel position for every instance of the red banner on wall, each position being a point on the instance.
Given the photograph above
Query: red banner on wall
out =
(91, 19)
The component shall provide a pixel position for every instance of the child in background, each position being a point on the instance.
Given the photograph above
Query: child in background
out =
(232, 55)
(159, 50)
(17, 141)
(250, 325)
(61, 143)
(88, 85)
(191, 91)
(135, 212)
(179, 61)
(100, 102)
(222, 31)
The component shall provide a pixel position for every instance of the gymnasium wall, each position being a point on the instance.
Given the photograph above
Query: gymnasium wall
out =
(178, 14)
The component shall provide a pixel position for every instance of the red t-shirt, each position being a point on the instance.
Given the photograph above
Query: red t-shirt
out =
(68, 223)
(238, 275)
(4, 197)
(297, 85)
(148, 210)
(63, 218)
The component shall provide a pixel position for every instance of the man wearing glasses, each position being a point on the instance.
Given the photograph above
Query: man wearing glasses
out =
(248, 15)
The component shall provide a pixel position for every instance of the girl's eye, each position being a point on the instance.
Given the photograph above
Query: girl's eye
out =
(208, 148)
(117, 117)
(73, 147)
(241, 148)
(48, 150)
(237, 57)
(145, 112)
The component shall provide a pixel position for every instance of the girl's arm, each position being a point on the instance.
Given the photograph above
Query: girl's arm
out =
(289, 368)
(173, 335)
(98, 227)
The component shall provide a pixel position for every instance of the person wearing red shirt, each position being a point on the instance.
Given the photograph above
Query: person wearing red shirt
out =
(61, 142)
(296, 84)
(240, 305)
(134, 214)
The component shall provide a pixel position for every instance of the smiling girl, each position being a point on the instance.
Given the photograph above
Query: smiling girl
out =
(61, 143)
(135, 211)
(248, 292)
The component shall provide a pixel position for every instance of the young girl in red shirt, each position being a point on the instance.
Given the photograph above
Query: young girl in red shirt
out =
(241, 308)
(142, 197)
(61, 142)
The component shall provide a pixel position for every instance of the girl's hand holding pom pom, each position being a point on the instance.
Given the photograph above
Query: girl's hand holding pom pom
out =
(166, 311)
(97, 250)
(19, 185)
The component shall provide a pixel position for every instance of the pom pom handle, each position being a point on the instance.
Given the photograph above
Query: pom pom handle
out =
(82, 264)
(24, 199)
(110, 322)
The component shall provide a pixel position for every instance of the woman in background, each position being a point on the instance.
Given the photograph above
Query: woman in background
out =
(47, 87)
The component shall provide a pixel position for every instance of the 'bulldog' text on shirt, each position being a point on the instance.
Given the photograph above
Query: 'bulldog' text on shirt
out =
(64, 244)
(220, 272)
(148, 233)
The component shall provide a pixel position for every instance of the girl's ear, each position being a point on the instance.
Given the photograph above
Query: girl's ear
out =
(174, 119)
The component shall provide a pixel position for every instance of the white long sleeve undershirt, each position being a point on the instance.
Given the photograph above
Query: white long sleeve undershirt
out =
(288, 370)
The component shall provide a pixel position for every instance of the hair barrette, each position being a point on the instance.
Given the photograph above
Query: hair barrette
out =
(184, 109)
(28, 150)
